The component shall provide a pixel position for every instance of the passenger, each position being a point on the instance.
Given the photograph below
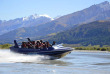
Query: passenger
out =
(48, 45)
(29, 45)
(53, 43)
(24, 45)
(29, 39)
(33, 44)
(41, 44)
(15, 44)
(41, 41)
(44, 45)
(37, 45)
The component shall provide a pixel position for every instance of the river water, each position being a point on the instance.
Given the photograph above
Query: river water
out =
(75, 63)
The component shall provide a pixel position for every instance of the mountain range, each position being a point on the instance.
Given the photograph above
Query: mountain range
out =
(93, 13)
(32, 20)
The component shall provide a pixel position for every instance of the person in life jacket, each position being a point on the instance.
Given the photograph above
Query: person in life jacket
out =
(37, 45)
(41, 44)
(48, 45)
(44, 45)
(33, 44)
(40, 41)
(53, 43)
(24, 45)
(29, 45)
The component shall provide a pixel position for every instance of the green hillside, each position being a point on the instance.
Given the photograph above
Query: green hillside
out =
(94, 33)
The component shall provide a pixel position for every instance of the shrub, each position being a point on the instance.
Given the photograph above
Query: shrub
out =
(5, 46)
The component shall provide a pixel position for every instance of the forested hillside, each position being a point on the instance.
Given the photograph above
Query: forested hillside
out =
(94, 33)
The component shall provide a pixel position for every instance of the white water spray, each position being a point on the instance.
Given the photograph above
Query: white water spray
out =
(7, 56)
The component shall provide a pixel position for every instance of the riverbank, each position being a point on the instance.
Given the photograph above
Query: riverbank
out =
(89, 48)
(92, 48)
(95, 51)
(5, 46)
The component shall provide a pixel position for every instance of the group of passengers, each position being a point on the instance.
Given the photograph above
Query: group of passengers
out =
(37, 44)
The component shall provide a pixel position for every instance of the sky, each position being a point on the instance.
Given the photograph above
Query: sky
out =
(11, 9)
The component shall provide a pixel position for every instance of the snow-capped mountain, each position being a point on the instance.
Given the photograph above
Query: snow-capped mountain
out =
(35, 16)
(32, 20)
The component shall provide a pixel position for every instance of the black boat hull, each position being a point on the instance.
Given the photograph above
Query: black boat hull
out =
(54, 54)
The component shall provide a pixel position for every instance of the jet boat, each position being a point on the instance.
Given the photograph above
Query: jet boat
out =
(54, 51)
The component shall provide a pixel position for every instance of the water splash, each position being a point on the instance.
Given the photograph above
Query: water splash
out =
(60, 46)
(7, 56)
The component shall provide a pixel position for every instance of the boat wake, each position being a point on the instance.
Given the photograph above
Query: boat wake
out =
(7, 56)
